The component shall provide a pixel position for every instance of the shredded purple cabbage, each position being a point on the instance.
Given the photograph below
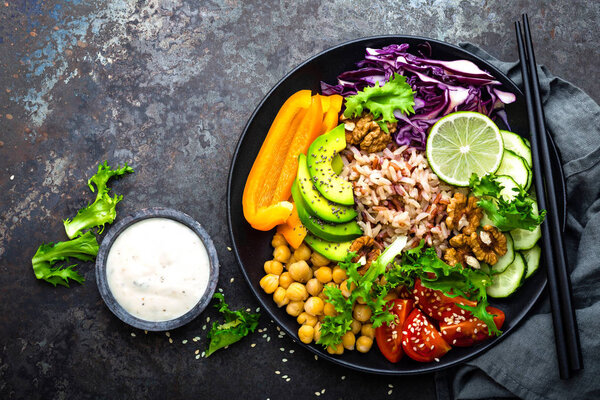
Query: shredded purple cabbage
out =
(441, 87)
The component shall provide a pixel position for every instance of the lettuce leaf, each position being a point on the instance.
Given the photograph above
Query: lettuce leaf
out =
(237, 325)
(83, 248)
(518, 213)
(382, 101)
(103, 209)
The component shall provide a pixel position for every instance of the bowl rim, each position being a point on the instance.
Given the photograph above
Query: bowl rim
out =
(431, 367)
(108, 241)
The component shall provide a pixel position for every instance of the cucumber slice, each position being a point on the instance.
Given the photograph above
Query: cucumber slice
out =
(517, 144)
(525, 239)
(515, 167)
(506, 283)
(507, 259)
(509, 184)
(532, 260)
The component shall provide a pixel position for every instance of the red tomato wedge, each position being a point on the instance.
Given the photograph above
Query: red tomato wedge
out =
(470, 331)
(421, 341)
(437, 305)
(389, 337)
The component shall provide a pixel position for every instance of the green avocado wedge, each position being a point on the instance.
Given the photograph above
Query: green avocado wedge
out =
(319, 159)
(332, 251)
(321, 229)
(315, 203)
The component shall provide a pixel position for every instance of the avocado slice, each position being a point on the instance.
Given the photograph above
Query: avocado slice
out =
(337, 164)
(324, 230)
(332, 251)
(316, 204)
(319, 158)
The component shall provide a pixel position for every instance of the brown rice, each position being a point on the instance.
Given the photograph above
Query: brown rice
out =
(398, 194)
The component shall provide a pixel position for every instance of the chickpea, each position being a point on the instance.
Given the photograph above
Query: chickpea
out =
(323, 274)
(361, 312)
(347, 291)
(339, 275)
(363, 344)
(306, 333)
(314, 306)
(269, 283)
(390, 296)
(318, 260)
(300, 271)
(278, 240)
(280, 298)
(302, 253)
(317, 334)
(348, 340)
(285, 280)
(368, 330)
(314, 287)
(329, 310)
(290, 261)
(335, 349)
(296, 292)
(273, 267)
(281, 254)
(294, 308)
(355, 327)
(307, 319)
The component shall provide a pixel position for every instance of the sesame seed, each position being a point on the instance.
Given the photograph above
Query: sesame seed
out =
(184, 341)
(253, 345)
(281, 349)
(291, 351)
(284, 359)
(277, 372)
(132, 334)
(317, 357)
(12, 177)
(168, 334)
(204, 353)
(170, 340)
(317, 393)
(437, 359)
(284, 376)
(198, 357)
(390, 385)
(231, 280)
(323, 391)
(343, 377)
(203, 327)
(390, 392)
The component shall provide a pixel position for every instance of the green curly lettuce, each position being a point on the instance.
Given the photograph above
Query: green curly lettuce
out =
(237, 325)
(518, 213)
(382, 101)
(103, 209)
(47, 256)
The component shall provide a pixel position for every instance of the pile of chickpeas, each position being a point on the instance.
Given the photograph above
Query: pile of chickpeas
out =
(297, 280)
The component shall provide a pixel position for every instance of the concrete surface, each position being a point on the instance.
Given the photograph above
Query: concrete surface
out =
(167, 86)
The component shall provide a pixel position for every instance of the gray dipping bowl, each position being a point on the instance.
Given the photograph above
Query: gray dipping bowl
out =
(109, 239)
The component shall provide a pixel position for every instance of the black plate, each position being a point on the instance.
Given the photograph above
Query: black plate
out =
(253, 247)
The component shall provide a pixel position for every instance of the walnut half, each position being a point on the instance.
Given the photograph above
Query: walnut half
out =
(365, 246)
(367, 134)
(488, 244)
(463, 215)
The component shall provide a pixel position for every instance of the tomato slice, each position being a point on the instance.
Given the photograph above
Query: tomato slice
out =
(421, 341)
(470, 331)
(437, 305)
(389, 337)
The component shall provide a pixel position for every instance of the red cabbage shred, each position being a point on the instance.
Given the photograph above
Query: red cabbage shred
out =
(441, 87)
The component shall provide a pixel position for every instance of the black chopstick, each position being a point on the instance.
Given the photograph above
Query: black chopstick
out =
(559, 285)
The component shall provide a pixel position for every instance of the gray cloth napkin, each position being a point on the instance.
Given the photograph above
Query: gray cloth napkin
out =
(524, 364)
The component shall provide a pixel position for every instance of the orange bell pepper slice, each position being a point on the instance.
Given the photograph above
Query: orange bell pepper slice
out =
(293, 231)
(330, 120)
(262, 208)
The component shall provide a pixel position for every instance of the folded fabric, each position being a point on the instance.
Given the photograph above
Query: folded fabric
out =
(524, 364)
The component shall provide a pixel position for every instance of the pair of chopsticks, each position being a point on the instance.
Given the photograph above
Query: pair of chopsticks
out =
(559, 284)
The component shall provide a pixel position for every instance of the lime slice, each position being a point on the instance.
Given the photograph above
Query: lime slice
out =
(463, 143)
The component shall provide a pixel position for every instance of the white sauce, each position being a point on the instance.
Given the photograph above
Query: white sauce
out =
(157, 269)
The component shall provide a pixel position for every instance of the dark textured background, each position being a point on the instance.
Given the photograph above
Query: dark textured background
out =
(167, 86)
